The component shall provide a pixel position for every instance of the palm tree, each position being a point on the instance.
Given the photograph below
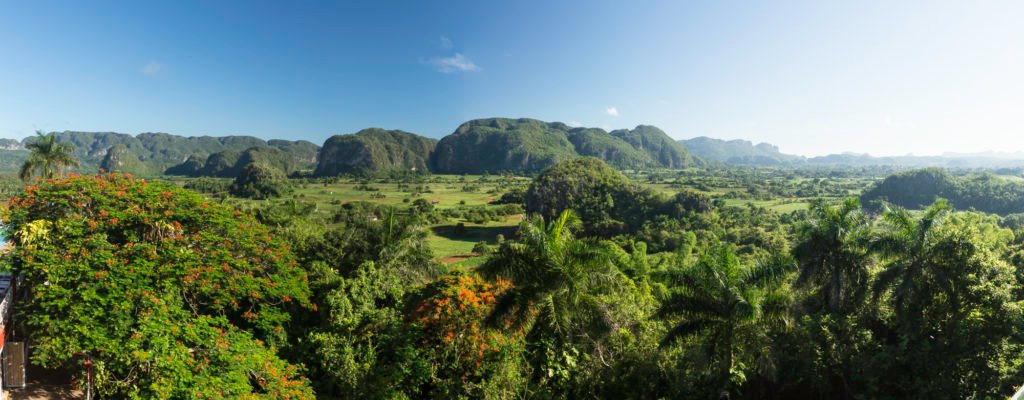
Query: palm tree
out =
(48, 157)
(557, 280)
(917, 258)
(832, 254)
(729, 306)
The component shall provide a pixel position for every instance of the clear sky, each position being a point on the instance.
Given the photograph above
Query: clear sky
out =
(815, 77)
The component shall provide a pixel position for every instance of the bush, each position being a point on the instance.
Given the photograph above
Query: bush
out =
(149, 273)
(481, 248)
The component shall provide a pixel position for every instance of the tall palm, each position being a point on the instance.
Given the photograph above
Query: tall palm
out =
(916, 258)
(832, 254)
(48, 157)
(556, 278)
(731, 307)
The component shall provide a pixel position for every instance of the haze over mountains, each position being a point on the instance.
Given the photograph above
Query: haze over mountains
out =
(490, 145)
(744, 152)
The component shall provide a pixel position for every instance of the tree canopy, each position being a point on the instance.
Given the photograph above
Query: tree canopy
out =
(168, 295)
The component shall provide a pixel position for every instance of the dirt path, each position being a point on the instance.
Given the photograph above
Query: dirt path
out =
(42, 384)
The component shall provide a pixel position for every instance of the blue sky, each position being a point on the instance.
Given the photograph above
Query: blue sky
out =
(812, 77)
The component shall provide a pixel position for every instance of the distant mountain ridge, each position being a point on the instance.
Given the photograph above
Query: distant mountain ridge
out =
(738, 152)
(743, 152)
(493, 145)
(153, 153)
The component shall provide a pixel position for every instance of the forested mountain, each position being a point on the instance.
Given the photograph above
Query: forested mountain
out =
(156, 152)
(738, 152)
(373, 150)
(529, 145)
(919, 188)
(230, 163)
(477, 146)
(500, 144)
(662, 149)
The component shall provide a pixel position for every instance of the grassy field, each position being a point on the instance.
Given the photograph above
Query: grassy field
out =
(452, 243)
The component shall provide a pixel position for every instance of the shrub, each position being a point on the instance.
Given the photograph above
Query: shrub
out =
(169, 295)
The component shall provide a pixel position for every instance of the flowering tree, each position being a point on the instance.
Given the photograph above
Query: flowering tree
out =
(168, 295)
(462, 350)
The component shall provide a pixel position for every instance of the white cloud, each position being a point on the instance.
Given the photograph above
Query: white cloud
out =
(574, 124)
(446, 43)
(612, 111)
(452, 64)
(152, 69)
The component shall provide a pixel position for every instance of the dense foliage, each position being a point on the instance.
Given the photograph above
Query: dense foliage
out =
(258, 181)
(167, 295)
(590, 283)
(918, 188)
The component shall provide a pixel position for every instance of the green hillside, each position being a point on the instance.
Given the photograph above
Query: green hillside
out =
(120, 159)
(502, 144)
(528, 145)
(373, 150)
(654, 142)
(597, 143)
(159, 151)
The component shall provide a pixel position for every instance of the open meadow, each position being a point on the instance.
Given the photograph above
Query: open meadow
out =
(452, 240)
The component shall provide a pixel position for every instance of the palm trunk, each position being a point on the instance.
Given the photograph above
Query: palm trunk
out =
(727, 366)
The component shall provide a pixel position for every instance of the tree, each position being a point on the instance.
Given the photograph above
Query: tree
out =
(915, 259)
(594, 191)
(463, 354)
(259, 182)
(832, 254)
(169, 295)
(554, 277)
(578, 311)
(355, 345)
(834, 266)
(730, 308)
(951, 300)
(48, 157)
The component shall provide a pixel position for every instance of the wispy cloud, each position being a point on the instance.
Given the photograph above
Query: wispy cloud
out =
(453, 64)
(612, 111)
(451, 61)
(152, 69)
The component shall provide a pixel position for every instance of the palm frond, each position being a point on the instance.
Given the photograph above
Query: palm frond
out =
(685, 329)
(770, 271)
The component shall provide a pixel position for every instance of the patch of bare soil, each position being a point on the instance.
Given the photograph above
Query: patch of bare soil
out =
(45, 384)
